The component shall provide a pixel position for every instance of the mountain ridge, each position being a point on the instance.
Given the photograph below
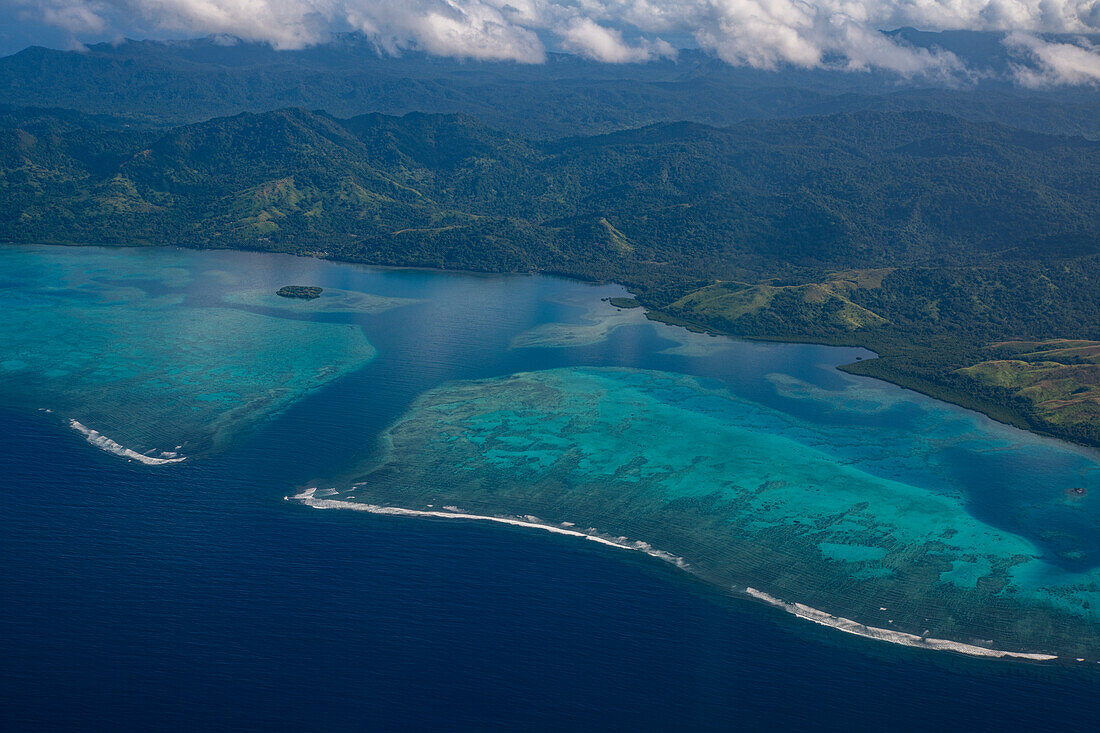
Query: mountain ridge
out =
(161, 84)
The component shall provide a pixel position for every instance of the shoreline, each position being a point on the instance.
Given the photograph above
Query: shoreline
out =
(999, 413)
(802, 611)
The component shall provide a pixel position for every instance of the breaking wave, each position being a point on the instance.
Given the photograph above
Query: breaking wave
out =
(309, 497)
(890, 635)
(106, 444)
(312, 498)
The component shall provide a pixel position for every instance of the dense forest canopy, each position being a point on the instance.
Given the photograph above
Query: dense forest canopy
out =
(760, 198)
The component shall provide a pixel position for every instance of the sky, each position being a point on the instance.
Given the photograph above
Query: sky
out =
(759, 33)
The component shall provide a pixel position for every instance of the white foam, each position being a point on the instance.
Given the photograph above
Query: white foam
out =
(307, 497)
(104, 443)
(803, 611)
(894, 637)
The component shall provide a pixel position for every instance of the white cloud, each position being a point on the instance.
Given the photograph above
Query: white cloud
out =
(1054, 64)
(761, 33)
(75, 16)
(477, 29)
(588, 38)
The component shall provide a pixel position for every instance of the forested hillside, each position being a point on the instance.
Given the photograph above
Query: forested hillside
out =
(873, 190)
(922, 235)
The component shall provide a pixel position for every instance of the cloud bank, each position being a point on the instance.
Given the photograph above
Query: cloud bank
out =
(1055, 64)
(760, 33)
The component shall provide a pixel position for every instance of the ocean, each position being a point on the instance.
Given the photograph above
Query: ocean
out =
(190, 594)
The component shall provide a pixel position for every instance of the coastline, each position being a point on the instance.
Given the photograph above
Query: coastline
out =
(155, 458)
(802, 611)
(869, 368)
(998, 412)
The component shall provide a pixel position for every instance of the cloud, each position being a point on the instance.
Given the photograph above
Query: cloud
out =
(479, 29)
(1054, 64)
(75, 16)
(75, 19)
(760, 33)
(588, 38)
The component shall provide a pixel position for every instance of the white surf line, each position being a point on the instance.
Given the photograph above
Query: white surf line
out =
(891, 635)
(307, 497)
(800, 610)
(104, 443)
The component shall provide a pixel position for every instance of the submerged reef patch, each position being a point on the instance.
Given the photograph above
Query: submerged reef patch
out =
(121, 354)
(735, 489)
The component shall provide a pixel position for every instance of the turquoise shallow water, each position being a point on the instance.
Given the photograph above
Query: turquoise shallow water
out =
(759, 464)
(116, 342)
(751, 496)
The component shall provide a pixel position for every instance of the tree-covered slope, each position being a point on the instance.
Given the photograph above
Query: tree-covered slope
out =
(868, 190)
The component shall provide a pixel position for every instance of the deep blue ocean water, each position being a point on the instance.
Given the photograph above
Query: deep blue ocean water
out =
(129, 608)
(192, 596)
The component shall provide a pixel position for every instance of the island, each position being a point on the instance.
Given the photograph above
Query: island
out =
(302, 292)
